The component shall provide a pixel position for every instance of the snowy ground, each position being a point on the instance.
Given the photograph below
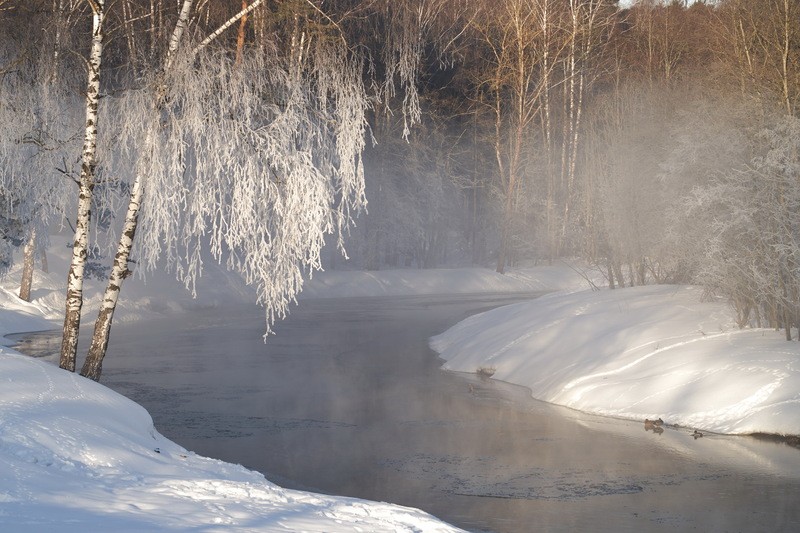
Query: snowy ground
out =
(645, 352)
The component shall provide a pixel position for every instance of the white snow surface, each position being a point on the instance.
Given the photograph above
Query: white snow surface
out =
(636, 353)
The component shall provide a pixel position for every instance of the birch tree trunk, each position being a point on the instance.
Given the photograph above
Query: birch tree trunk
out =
(230, 22)
(74, 300)
(547, 131)
(93, 365)
(27, 268)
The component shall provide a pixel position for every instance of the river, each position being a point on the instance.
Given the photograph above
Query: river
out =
(347, 398)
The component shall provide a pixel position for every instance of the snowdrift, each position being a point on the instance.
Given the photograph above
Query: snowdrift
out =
(637, 353)
(76, 456)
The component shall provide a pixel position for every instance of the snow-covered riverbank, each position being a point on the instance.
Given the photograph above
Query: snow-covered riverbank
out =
(644, 352)
(76, 456)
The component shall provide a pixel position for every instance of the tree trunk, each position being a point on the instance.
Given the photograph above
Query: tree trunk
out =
(618, 273)
(74, 300)
(611, 276)
(43, 260)
(548, 134)
(177, 33)
(241, 35)
(505, 238)
(27, 268)
(230, 22)
(93, 365)
(59, 30)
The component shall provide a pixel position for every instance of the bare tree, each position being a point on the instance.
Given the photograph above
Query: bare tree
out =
(760, 43)
(509, 86)
(262, 157)
(589, 25)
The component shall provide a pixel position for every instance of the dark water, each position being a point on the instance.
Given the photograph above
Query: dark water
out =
(348, 399)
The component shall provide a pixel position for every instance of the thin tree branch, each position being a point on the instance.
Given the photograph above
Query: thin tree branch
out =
(94, 5)
(325, 15)
(231, 21)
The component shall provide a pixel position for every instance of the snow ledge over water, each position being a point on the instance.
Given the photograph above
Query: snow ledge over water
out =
(636, 353)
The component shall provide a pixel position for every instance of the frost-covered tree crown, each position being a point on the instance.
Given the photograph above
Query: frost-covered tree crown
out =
(257, 161)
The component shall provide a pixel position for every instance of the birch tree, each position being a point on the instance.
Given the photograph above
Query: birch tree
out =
(510, 85)
(257, 158)
(589, 27)
(760, 43)
(86, 184)
(44, 139)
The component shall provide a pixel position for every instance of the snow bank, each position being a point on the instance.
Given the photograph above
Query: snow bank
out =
(17, 316)
(637, 353)
(76, 456)
(157, 293)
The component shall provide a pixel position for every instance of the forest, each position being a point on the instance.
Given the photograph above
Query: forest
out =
(656, 140)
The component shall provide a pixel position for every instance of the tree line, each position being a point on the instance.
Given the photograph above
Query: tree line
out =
(658, 141)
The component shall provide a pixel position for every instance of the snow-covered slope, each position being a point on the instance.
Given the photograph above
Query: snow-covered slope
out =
(16, 316)
(638, 353)
(157, 293)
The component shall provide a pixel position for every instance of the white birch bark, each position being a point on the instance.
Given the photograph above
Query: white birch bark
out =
(74, 300)
(93, 364)
(268, 189)
(177, 34)
(92, 367)
(230, 22)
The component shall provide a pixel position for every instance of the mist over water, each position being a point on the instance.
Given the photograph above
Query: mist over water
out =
(347, 398)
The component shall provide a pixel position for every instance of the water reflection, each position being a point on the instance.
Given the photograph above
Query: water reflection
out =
(348, 399)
